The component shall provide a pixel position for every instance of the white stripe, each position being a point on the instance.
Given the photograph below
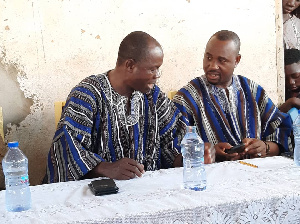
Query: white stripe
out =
(78, 151)
(76, 112)
(58, 170)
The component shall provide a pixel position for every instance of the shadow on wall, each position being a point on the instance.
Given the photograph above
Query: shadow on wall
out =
(12, 100)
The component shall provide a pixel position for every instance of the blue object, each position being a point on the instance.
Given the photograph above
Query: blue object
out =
(293, 112)
(296, 130)
(15, 168)
(192, 148)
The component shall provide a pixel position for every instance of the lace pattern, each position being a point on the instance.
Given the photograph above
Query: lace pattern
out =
(235, 194)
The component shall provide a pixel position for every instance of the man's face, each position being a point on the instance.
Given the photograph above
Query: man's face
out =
(146, 72)
(289, 5)
(292, 77)
(220, 59)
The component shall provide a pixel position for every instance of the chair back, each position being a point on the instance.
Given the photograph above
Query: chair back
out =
(58, 107)
(171, 94)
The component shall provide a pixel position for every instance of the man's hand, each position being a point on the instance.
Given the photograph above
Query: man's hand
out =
(291, 102)
(255, 147)
(221, 155)
(123, 169)
(209, 153)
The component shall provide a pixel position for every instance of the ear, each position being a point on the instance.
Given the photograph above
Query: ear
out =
(130, 64)
(237, 59)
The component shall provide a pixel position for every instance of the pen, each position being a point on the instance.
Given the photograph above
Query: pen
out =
(248, 164)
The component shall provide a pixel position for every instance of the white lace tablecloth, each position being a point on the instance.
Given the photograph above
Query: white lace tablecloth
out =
(235, 193)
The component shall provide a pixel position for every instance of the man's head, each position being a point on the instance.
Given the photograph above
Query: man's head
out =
(221, 56)
(141, 56)
(292, 70)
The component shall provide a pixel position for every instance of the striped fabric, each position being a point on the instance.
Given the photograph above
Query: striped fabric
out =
(247, 112)
(93, 128)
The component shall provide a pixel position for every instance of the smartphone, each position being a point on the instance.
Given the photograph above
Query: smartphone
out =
(236, 149)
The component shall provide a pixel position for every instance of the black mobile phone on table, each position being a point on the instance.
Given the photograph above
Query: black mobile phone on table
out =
(103, 187)
(236, 149)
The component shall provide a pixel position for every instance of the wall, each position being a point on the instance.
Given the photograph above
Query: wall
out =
(47, 47)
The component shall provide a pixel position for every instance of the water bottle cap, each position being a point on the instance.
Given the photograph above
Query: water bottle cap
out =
(13, 144)
(191, 128)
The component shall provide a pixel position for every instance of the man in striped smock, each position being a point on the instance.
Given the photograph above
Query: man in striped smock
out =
(229, 109)
(119, 124)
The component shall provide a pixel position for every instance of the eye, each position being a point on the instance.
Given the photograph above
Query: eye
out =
(295, 75)
(222, 60)
(208, 57)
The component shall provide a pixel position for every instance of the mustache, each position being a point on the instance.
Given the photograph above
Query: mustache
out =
(213, 71)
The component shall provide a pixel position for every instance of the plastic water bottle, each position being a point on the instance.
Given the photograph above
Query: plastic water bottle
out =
(15, 168)
(296, 130)
(192, 148)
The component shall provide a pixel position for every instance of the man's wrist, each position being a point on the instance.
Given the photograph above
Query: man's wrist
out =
(267, 147)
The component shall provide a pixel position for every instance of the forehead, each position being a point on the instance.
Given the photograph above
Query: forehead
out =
(221, 48)
(292, 68)
(155, 55)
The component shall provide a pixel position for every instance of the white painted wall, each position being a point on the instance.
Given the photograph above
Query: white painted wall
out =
(55, 44)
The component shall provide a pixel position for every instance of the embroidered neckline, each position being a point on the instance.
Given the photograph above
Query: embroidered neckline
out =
(228, 105)
(119, 102)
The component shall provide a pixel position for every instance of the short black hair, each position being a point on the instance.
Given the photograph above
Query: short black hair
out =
(135, 46)
(291, 56)
(228, 35)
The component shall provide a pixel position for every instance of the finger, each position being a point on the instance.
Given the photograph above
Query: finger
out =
(136, 164)
(223, 145)
(236, 157)
(140, 167)
(248, 141)
(135, 171)
(232, 155)
(253, 148)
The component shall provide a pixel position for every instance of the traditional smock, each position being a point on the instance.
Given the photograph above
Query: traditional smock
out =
(247, 112)
(95, 126)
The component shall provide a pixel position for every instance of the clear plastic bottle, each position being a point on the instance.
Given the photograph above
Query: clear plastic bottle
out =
(15, 168)
(192, 148)
(296, 130)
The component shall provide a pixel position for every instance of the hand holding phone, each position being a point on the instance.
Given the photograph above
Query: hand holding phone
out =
(236, 149)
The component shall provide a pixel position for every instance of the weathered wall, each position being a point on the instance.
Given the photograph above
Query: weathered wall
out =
(47, 47)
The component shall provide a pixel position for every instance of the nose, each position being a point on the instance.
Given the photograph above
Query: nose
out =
(292, 82)
(291, 3)
(213, 65)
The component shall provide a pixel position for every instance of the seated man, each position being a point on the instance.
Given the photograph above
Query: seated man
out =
(292, 81)
(118, 124)
(230, 109)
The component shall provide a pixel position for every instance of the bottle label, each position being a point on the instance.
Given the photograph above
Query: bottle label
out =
(24, 179)
(16, 181)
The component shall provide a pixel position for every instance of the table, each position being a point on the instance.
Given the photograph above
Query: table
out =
(235, 193)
